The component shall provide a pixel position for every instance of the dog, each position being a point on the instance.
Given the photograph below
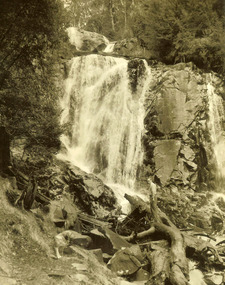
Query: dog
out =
(69, 237)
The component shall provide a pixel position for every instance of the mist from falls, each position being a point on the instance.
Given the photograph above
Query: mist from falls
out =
(106, 119)
(216, 121)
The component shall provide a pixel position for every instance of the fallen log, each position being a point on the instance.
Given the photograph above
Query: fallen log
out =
(91, 220)
(41, 198)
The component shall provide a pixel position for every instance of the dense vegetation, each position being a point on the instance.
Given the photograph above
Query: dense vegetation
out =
(174, 30)
(31, 38)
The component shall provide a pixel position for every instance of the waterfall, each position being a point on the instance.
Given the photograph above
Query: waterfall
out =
(216, 120)
(106, 119)
(110, 47)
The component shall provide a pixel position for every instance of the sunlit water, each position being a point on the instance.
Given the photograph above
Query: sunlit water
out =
(106, 120)
(216, 120)
(109, 48)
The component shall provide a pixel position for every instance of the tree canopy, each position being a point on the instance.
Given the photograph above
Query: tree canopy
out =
(31, 35)
(174, 30)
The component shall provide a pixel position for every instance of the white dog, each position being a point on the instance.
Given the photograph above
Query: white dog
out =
(69, 237)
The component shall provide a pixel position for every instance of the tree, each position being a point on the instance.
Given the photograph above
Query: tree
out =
(182, 31)
(32, 35)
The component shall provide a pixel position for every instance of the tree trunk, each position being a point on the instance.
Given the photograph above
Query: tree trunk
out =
(112, 12)
(169, 263)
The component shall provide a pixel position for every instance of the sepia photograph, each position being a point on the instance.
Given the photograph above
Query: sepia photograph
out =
(112, 142)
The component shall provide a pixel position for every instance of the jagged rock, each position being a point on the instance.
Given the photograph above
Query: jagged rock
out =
(90, 193)
(215, 279)
(177, 109)
(165, 156)
(180, 172)
(191, 165)
(217, 223)
(126, 261)
(98, 253)
(178, 100)
(63, 212)
(188, 153)
(131, 48)
(201, 220)
(136, 69)
(116, 241)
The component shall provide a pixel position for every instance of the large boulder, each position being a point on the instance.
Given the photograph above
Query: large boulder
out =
(86, 41)
(131, 48)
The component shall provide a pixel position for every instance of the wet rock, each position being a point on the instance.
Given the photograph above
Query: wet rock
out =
(63, 212)
(215, 279)
(177, 109)
(188, 153)
(142, 275)
(201, 219)
(136, 70)
(116, 241)
(131, 48)
(85, 40)
(165, 156)
(126, 261)
(101, 241)
(90, 193)
(217, 223)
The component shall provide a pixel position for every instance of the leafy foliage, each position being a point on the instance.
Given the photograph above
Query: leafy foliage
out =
(174, 30)
(182, 31)
(31, 36)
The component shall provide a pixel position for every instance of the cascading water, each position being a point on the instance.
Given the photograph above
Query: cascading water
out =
(216, 120)
(106, 119)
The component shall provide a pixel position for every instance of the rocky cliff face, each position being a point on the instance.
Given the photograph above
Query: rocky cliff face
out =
(184, 114)
(179, 150)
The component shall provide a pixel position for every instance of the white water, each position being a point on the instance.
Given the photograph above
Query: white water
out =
(109, 48)
(106, 120)
(77, 37)
(216, 118)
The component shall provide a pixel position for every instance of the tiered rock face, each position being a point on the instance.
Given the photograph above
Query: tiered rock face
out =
(178, 145)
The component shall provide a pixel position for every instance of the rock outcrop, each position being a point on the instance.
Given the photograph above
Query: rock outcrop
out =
(178, 140)
(132, 48)
(87, 41)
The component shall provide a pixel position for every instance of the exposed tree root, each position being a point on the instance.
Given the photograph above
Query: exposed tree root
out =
(171, 264)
